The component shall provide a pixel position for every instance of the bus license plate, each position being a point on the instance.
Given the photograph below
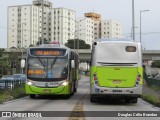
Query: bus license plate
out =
(117, 91)
(46, 91)
(53, 83)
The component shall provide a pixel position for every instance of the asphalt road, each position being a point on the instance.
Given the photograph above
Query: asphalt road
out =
(78, 102)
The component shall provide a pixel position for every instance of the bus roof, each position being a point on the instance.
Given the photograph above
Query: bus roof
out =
(115, 40)
(51, 46)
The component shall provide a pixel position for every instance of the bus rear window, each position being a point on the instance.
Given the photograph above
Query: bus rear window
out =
(131, 49)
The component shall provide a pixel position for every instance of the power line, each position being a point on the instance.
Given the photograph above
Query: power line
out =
(146, 33)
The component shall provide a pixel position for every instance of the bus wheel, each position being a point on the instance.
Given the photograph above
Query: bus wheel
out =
(127, 100)
(134, 100)
(75, 88)
(32, 96)
(92, 99)
(72, 90)
(67, 96)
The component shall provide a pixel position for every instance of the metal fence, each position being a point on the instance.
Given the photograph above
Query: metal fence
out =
(10, 84)
(152, 81)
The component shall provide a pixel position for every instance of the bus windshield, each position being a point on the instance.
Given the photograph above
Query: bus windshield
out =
(47, 68)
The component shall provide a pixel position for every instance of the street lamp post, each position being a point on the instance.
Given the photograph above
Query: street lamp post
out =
(141, 24)
(133, 20)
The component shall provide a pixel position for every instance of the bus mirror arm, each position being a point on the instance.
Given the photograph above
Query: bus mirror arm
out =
(72, 64)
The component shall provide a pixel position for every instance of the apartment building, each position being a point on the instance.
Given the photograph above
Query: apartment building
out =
(85, 30)
(63, 24)
(97, 23)
(25, 24)
(105, 28)
(111, 29)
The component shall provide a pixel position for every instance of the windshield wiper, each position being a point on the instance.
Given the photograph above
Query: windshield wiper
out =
(54, 61)
(41, 62)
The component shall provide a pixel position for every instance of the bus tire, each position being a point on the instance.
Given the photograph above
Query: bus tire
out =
(75, 86)
(33, 96)
(72, 90)
(75, 89)
(134, 100)
(92, 99)
(67, 96)
(128, 100)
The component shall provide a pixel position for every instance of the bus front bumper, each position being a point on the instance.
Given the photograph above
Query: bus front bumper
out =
(61, 90)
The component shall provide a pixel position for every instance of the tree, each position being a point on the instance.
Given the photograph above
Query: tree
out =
(40, 41)
(31, 45)
(82, 44)
(156, 64)
(1, 52)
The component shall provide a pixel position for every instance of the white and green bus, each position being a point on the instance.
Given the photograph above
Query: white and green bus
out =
(51, 70)
(116, 69)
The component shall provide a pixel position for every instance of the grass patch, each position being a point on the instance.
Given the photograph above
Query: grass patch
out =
(153, 99)
(4, 95)
(156, 88)
(18, 92)
(7, 95)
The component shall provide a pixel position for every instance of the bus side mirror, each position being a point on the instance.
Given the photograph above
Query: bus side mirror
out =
(22, 63)
(90, 63)
(72, 64)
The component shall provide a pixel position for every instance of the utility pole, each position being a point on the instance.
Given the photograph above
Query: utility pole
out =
(133, 21)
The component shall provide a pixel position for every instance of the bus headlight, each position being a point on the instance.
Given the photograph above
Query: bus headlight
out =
(29, 83)
(63, 83)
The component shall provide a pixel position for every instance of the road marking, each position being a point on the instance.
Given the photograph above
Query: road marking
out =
(78, 113)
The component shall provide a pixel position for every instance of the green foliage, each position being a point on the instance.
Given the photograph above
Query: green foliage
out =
(40, 41)
(156, 64)
(152, 99)
(14, 94)
(18, 92)
(82, 44)
(1, 52)
(31, 45)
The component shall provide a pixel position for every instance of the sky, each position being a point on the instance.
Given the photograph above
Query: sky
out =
(120, 10)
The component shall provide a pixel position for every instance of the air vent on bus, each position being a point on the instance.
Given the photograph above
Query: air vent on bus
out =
(116, 64)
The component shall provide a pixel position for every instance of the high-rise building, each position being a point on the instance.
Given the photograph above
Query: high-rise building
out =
(105, 28)
(63, 24)
(27, 27)
(111, 29)
(97, 23)
(85, 30)
(25, 24)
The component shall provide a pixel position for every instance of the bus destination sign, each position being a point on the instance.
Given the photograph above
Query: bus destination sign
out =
(47, 52)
